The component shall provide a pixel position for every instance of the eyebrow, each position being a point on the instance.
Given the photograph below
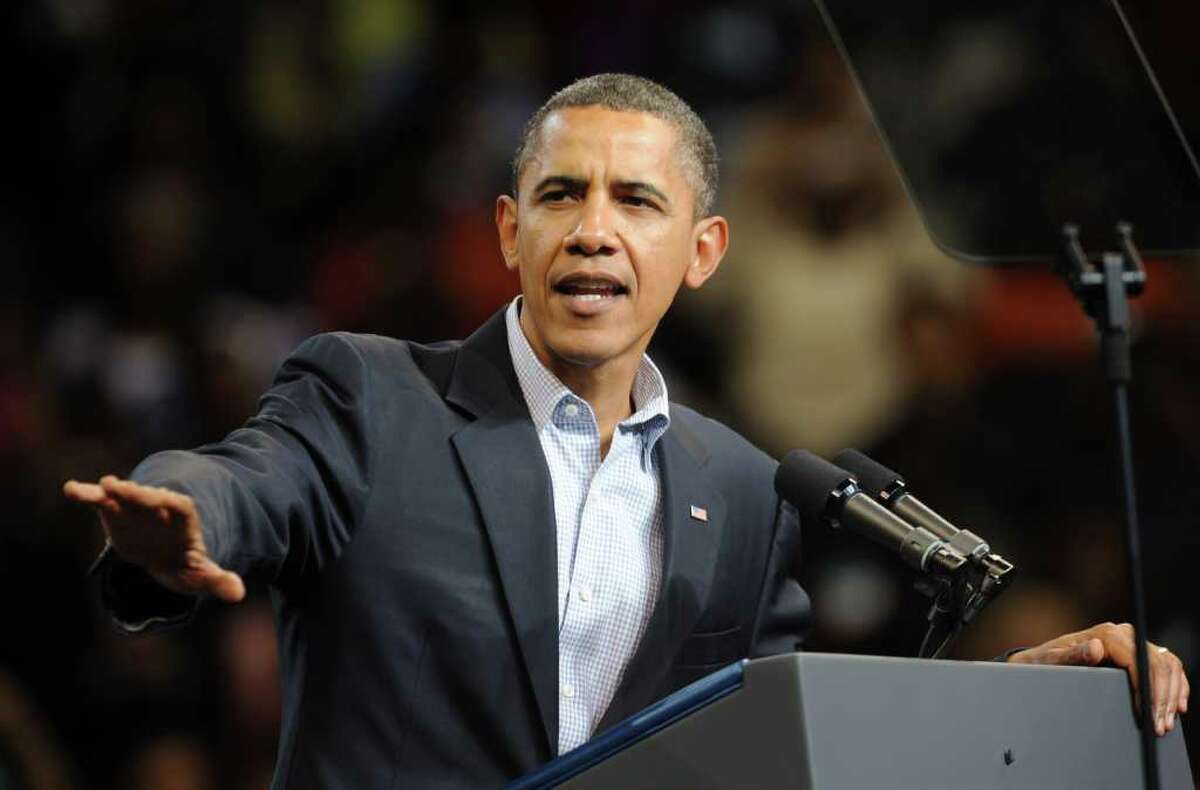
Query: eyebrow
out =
(563, 182)
(573, 184)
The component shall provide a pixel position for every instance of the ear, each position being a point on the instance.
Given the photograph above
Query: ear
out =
(711, 236)
(506, 228)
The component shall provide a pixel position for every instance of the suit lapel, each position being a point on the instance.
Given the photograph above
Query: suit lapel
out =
(507, 472)
(691, 546)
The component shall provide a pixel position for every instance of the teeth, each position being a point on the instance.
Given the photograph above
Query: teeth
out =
(590, 297)
(591, 289)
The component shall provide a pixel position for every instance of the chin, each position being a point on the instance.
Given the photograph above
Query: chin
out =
(582, 356)
(586, 352)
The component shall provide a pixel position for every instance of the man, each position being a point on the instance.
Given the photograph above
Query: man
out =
(482, 553)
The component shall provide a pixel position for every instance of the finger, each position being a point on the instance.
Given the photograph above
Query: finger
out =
(179, 503)
(229, 587)
(1174, 686)
(1185, 691)
(137, 494)
(94, 496)
(86, 493)
(202, 576)
(123, 491)
(226, 585)
(1160, 685)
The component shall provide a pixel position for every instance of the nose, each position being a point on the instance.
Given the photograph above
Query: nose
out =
(594, 234)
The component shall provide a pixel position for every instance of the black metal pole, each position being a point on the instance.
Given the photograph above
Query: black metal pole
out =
(1113, 320)
(1133, 554)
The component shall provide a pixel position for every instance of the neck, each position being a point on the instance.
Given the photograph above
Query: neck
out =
(607, 387)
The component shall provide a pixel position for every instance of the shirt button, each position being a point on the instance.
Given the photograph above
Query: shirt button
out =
(585, 594)
(571, 410)
(568, 691)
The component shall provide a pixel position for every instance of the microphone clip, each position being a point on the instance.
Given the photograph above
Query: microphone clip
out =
(958, 597)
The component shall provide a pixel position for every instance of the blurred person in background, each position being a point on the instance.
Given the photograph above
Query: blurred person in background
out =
(383, 484)
(828, 245)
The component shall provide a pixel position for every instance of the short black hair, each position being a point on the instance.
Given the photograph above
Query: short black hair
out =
(630, 93)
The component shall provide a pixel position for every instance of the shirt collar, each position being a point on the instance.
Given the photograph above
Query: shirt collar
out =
(543, 391)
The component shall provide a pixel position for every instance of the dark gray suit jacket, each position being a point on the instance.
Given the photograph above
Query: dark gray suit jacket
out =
(396, 499)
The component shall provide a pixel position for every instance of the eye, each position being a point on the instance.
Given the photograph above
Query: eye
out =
(554, 196)
(638, 202)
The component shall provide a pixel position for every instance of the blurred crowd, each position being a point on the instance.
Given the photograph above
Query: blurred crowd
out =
(193, 188)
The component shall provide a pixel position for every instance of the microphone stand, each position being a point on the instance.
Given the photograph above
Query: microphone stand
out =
(1104, 290)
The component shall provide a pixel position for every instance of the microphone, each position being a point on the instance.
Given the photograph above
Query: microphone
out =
(822, 491)
(891, 490)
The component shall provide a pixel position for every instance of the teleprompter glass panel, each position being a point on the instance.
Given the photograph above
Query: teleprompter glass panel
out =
(1009, 119)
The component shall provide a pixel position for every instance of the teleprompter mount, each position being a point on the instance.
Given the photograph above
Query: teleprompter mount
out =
(1104, 290)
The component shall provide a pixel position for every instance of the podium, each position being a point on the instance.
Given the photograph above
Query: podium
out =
(811, 721)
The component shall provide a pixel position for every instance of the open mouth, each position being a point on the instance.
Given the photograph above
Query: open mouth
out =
(590, 288)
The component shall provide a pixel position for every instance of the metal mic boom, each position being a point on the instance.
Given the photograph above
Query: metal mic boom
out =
(892, 491)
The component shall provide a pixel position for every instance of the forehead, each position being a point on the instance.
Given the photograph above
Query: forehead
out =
(579, 141)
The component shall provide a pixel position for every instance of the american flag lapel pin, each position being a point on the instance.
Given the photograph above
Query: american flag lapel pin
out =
(699, 513)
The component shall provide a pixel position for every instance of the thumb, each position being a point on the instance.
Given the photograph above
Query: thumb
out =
(226, 585)
(205, 577)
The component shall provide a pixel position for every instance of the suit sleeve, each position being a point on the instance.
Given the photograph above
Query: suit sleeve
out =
(279, 498)
(784, 612)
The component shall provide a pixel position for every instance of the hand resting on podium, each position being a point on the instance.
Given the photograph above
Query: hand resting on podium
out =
(1114, 644)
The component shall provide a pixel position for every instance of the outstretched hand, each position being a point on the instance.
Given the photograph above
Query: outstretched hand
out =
(159, 531)
(1114, 644)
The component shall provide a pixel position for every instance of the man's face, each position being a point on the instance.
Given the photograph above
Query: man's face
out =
(603, 235)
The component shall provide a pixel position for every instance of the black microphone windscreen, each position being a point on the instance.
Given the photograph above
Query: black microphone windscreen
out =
(807, 480)
(873, 476)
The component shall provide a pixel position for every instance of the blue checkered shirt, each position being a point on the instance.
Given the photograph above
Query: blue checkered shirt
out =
(609, 518)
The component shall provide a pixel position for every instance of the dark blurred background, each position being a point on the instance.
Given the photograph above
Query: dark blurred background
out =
(192, 188)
